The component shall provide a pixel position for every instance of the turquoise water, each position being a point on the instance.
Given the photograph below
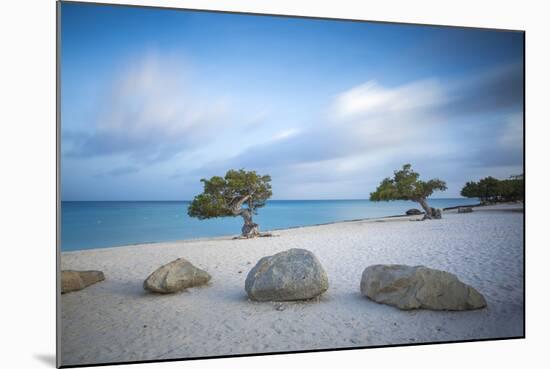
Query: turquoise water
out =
(98, 224)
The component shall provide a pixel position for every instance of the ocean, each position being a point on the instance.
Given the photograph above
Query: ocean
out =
(100, 224)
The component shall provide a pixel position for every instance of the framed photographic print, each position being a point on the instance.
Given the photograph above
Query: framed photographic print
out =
(238, 184)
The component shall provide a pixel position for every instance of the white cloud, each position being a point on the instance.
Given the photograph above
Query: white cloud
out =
(281, 135)
(156, 109)
(379, 116)
(157, 97)
(371, 99)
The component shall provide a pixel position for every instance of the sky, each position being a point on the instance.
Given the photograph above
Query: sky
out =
(153, 100)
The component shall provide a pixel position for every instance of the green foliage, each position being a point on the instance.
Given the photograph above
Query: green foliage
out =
(490, 189)
(512, 189)
(405, 185)
(221, 194)
(470, 189)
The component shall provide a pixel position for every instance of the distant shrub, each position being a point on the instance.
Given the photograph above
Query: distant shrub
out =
(493, 190)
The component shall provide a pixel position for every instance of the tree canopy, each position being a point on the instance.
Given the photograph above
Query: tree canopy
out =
(405, 185)
(490, 189)
(225, 196)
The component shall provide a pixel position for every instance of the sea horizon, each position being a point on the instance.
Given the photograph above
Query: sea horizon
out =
(91, 224)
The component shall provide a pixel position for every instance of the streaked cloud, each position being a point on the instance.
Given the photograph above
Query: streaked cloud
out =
(370, 99)
(153, 111)
(286, 134)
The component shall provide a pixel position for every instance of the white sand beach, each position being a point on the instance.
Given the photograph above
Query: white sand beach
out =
(116, 320)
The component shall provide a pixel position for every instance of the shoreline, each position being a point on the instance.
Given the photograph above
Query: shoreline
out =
(235, 236)
(492, 207)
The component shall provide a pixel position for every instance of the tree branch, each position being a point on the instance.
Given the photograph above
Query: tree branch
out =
(237, 202)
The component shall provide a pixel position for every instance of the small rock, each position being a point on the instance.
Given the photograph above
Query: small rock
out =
(413, 212)
(72, 280)
(175, 276)
(465, 210)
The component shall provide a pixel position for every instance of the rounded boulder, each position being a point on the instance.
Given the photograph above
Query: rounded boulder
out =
(295, 274)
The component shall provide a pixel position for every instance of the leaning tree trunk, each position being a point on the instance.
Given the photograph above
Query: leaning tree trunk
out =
(426, 207)
(249, 229)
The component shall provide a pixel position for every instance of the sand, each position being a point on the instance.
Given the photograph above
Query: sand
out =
(116, 320)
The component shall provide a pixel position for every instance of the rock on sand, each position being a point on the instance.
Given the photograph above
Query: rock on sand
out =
(418, 287)
(413, 212)
(72, 280)
(295, 274)
(176, 276)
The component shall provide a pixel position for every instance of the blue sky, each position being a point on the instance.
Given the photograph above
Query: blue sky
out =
(153, 100)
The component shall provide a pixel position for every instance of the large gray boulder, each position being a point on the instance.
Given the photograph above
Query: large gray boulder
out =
(72, 280)
(295, 274)
(418, 287)
(175, 276)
